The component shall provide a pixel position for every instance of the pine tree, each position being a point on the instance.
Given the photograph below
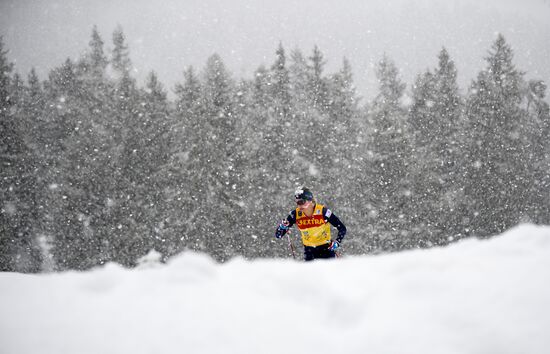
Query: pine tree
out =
(94, 148)
(310, 122)
(37, 127)
(5, 79)
(189, 110)
(126, 114)
(263, 96)
(152, 157)
(496, 176)
(342, 144)
(120, 60)
(536, 130)
(97, 93)
(18, 249)
(217, 91)
(388, 176)
(188, 94)
(179, 174)
(266, 151)
(94, 63)
(318, 89)
(450, 144)
(298, 76)
(65, 167)
(125, 85)
(215, 162)
(435, 119)
(344, 101)
(276, 149)
(280, 85)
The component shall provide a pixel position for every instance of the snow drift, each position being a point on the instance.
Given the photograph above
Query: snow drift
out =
(476, 296)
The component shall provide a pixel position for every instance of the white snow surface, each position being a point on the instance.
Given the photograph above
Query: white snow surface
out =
(475, 296)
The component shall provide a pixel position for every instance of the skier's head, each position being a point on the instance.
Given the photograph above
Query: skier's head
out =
(303, 195)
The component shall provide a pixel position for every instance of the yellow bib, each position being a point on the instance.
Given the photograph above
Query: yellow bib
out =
(314, 229)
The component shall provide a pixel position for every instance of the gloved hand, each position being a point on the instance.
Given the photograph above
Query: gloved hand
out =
(334, 245)
(282, 229)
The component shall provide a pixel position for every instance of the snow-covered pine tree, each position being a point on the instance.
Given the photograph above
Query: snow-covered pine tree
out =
(342, 131)
(180, 186)
(435, 118)
(69, 169)
(317, 83)
(388, 169)
(537, 129)
(153, 157)
(18, 247)
(280, 85)
(497, 180)
(214, 162)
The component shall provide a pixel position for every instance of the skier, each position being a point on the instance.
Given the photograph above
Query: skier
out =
(312, 220)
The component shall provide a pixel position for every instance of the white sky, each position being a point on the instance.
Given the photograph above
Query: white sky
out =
(166, 36)
(473, 297)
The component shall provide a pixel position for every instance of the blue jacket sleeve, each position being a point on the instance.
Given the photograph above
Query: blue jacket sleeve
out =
(335, 221)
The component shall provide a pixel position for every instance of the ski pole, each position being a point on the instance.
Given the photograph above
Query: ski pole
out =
(291, 245)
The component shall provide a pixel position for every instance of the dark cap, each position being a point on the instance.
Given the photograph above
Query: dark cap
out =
(303, 193)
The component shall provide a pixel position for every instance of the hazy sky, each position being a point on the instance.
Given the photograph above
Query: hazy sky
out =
(168, 35)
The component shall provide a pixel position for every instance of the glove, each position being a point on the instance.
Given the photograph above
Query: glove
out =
(334, 245)
(282, 229)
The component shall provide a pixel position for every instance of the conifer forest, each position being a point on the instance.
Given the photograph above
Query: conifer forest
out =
(96, 167)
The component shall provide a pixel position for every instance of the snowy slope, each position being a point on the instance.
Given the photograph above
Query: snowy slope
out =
(477, 296)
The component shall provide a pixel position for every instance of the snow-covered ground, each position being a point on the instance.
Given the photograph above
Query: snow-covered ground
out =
(476, 296)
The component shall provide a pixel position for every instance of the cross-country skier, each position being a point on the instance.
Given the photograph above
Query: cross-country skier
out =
(313, 220)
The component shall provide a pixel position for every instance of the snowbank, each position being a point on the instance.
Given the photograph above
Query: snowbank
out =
(476, 296)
